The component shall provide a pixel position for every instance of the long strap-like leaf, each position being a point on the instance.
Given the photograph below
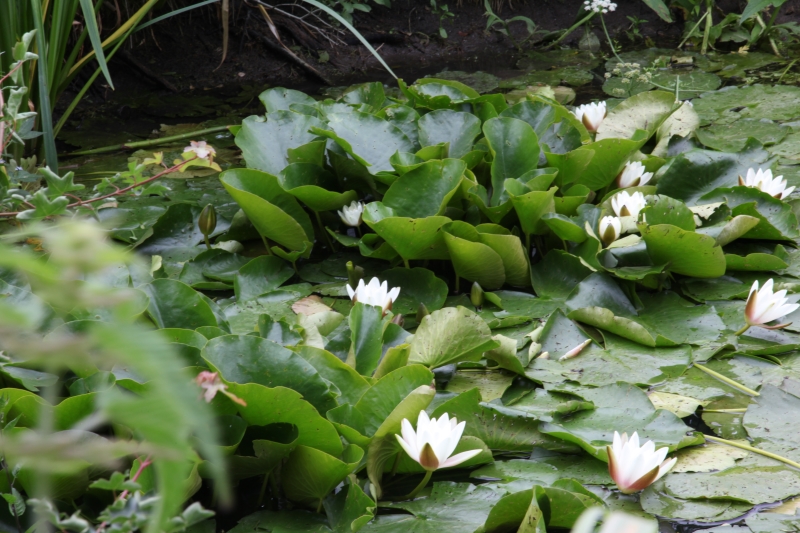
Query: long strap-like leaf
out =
(354, 31)
(45, 112)
(94, 35)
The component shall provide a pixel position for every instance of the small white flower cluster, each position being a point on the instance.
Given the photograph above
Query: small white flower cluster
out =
(629, 71)
(599, 6)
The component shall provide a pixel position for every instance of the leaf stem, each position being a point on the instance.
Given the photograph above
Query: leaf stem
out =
(741, 331)
(151, 142)
(410, 495)
(610, 43)
(572, 28)
(728, 411)
(753, 449)
(726, 379)
(323, 231)
(118, 191)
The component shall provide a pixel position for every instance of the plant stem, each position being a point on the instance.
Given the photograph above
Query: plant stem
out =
(405, 263)
(263, 490)
(725, 379)
(266, 245)
(765, 29)
(323, 231)
(572, 28)
(786, 70)
(410, 495)
(689, 34)
(753, 449)
(118, 191)
(208, 244)
(741, 331)
(729, 411)
(707, 32)
(611, 44)
(151, 142)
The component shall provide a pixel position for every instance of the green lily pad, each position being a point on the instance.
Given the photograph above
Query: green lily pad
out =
(646, 111)
(733, 137)
(684, 252)
(425, 190)
(412, 238)
(369, 139)
(275, 213)
(417, 286)
(311, 184)
(754, 101)
(451, 507)
(246, 359)
(450, 335)
(456, 128)
(265, 143)
(279, 405)
(633, 412)
(309, 475)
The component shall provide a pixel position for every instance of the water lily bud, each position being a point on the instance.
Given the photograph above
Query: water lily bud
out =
(544, 355)
(575, 352)
(208, 220)
(476, 295)
(398, 319)
(354, 274)
(610, 228)
(351, 214)
(422, 312)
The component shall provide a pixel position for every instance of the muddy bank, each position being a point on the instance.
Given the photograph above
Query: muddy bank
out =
(183, 53)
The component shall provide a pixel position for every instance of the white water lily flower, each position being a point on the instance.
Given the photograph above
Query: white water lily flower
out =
(591, 115)
(625, 204)
(351, 214)
(434, 441)
(763, 181)
(634, 468)
(610, 228)
(633, 175)
(201, 149)
(374, 293)
(764, 306)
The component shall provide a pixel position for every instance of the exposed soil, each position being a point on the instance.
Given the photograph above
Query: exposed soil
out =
(173, 74)
(183, 52)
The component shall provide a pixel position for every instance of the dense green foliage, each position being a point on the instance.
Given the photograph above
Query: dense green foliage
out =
(457, 185)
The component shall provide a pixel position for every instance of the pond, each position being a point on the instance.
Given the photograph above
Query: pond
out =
(553, 276)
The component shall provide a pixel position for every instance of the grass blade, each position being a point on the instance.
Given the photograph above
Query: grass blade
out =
(173, 13)
(94, 36)
(45, 112)
(354, 31)
(75, 101)
(122, 30)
